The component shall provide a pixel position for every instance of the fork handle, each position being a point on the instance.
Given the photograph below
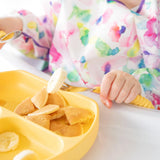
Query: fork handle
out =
(138, 101)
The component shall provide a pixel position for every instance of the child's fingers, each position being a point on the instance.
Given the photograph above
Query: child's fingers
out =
(106, 102)
(106, 84)
(126, 89)
(105, 88)
(116, 86)
(133, 94)
(119, 86)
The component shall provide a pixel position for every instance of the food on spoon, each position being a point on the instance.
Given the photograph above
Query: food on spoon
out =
(2, 34)
(7, 37)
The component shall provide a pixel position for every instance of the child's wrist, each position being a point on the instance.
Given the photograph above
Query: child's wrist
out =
(19, 24)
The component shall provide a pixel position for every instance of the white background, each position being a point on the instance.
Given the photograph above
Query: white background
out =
(8, 6)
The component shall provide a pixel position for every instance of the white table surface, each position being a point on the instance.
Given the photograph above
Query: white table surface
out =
(125, 132)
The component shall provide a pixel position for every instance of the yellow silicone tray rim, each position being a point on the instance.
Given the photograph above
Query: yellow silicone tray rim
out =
(78, 146)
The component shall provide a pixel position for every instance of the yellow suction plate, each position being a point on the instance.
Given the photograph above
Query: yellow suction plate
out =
(15, 86)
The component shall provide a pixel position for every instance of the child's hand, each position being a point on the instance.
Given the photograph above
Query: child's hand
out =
(120, 87)
(10, 24)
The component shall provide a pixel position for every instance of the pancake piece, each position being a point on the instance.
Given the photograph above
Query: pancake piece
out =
(25, 107)
(58, 123)
(56, 98)
(70, 131)
(57, 114)
(76, 115)
(42, 120)
(48, 109)
(62, 127)
(40, 99)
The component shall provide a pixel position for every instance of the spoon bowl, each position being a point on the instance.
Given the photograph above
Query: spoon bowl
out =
(6, 37)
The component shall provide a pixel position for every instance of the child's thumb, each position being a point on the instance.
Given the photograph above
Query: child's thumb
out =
(108, 103)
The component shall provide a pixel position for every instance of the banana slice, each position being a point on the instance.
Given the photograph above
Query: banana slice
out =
(8, 141)
(56, 80)
(26, 155)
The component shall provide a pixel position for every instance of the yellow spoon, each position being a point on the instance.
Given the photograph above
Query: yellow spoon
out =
(5, 37)
(2, 34)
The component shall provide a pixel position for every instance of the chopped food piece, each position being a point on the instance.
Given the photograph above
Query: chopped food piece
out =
(7, 37)
(8, 141)
(25, 107)
(26, 155)
(70, 131)
(50, 108)
(43, 120)
(58, 123)
(76, 115)
(56, 98)
(57, 114)
(40, 99)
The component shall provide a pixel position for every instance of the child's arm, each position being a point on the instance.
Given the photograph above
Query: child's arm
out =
(131, 3)
(37, 31)
(10, 24)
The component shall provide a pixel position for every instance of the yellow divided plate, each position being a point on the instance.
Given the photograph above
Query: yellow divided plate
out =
(15, 86)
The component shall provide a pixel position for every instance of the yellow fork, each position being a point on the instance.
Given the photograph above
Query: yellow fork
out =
(138, 101)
